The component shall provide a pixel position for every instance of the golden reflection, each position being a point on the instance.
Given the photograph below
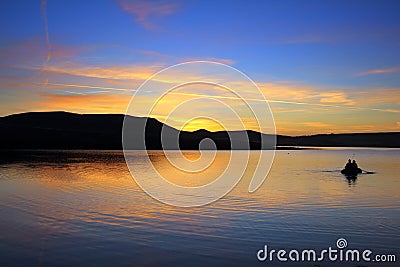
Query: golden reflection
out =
(181, 177)
(191, 155)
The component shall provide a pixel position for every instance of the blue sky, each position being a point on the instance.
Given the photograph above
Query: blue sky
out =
(340, 53)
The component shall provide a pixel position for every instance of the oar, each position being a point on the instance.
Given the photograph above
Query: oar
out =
(367, 172)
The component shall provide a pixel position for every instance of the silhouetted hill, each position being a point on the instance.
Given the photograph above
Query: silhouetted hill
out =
(63, 130)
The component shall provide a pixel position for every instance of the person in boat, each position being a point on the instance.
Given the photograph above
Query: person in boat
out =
(348, 165)
(354, 164)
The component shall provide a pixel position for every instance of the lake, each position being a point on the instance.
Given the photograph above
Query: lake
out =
(83, 208)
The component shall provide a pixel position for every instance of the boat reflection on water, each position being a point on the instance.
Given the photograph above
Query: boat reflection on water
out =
(351, 179)
(351, 172)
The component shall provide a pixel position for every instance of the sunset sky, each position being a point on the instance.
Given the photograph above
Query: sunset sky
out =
(324, 66)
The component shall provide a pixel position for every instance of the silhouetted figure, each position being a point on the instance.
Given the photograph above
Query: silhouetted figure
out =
(354, 164)
(348, 165)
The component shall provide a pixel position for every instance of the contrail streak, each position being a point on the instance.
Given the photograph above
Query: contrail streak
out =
(88, 86)
(287, 102)
(43, 7)
(225, 97)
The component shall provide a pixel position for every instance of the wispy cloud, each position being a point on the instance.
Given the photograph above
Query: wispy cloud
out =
(304, 94)
(379, 71)
(111, 72)
(379, 96)
(122, 72)
(335, 97)
(32, 51)
(144, 11)
(83, 87)
(81, 103)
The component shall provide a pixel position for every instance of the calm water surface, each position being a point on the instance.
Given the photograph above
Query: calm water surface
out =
(82, 208)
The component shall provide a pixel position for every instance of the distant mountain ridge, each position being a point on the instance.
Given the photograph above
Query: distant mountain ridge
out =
(63, 130)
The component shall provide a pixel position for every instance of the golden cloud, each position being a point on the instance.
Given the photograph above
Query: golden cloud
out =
(335, 98)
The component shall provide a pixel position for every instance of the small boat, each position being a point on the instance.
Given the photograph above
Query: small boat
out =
(351, 171)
